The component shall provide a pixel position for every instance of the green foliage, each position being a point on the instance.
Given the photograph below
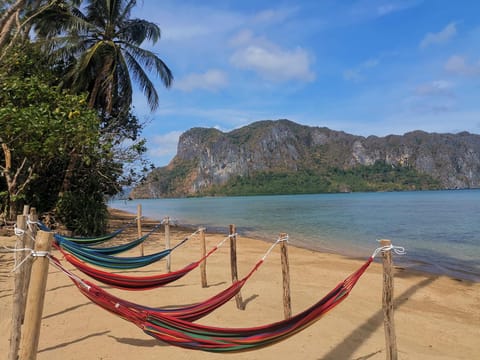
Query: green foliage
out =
(166, 180)
(101, 46)
(48, 125)
(41, 126)
(83, 212)
(378, 177)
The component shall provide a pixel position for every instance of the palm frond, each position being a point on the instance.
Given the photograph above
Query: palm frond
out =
(152, 63)
(136, 31)
(143, 80)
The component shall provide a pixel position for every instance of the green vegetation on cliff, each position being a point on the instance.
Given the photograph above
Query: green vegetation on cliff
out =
(282, 157)
(377, 177)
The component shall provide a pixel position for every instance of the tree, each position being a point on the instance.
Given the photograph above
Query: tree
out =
(95, 56)
(102, 48)
(41, 125)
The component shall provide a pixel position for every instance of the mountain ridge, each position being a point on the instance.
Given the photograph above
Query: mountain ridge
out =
(209, 161)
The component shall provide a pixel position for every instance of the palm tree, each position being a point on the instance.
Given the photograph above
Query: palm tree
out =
(101, 47)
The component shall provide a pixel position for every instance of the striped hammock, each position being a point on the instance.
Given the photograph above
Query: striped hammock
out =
(112, 250)
(127, 282)
(87, 239)
(187, 334)
(188, 313)
(115, 262)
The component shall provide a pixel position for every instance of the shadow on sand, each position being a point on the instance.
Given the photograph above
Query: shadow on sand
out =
(347, 347)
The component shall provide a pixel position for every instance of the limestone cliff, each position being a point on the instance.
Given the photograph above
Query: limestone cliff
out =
(209, 157)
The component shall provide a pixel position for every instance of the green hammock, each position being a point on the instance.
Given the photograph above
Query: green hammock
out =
(112, 250)
(85, 240)
(115, 262)
(195, 336)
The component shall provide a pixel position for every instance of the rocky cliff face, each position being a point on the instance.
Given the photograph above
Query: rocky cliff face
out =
(207, 157)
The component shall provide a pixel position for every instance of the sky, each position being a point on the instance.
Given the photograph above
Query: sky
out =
(365, 67)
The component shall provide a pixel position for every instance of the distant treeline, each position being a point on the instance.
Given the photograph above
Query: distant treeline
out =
(377, 177)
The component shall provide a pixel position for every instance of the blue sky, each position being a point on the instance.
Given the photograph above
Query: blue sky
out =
(366, 67)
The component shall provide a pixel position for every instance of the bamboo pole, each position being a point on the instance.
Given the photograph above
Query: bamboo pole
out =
(167, 241)
(139, 226)
(233, 265)
(36, 298)
(287, 304)
(18, 306)
(387, 303)
(203, 264)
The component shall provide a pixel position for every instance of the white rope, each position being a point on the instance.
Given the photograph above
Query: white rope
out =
(398, 250)
(30, 222)
(280, 239)
(171, 221)
(18, 231)
(69, 273)
(194, 233)
(32, 253)
(223, 241)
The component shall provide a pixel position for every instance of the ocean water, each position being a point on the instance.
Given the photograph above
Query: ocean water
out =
(440, 230)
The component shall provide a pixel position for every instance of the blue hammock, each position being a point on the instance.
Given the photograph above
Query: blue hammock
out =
(86, 240)
(115, 262)
(112, 250)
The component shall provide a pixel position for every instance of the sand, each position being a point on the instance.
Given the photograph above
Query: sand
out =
(436, 317)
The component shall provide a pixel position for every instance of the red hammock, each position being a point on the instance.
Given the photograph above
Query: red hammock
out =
(215, 339)
(188, 313)
(127, 282)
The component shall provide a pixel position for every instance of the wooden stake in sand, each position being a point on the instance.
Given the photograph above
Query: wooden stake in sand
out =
(287, 305)
(139, 226)
(387, 302)
(167, 241)
(203, 264)
(31, 233)
(233, 265)
(36, 297)
(18, 307)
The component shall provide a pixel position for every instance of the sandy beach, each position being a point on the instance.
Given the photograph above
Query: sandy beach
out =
(436, 317)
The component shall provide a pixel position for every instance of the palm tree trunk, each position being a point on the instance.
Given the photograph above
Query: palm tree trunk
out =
(7, 22)
(72, 162)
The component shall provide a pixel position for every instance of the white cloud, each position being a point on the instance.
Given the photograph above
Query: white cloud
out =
(244, 38)
(352, 75)
(357, 74)
(388, 8)
(435, 88)
(274, 63)
(164, 145)
(440, 37)
(274, 15)
(458, 65)
(211, 80)
(365, 10)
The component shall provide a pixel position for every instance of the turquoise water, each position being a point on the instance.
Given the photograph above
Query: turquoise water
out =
(440, 230)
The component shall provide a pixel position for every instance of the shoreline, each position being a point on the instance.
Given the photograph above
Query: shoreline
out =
(414, 266)
(436, 317)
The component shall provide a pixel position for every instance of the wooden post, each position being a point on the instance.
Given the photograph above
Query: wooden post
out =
(167, 241)
(26, 210)
(139, 226)
(203, 264)
(31, 233)
(233, 265)
(287, 305)
(36, 297)
(387, 303)
(18, 306)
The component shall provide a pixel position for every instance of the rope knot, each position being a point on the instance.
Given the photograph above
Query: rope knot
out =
(398, 250)
(18, 231)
